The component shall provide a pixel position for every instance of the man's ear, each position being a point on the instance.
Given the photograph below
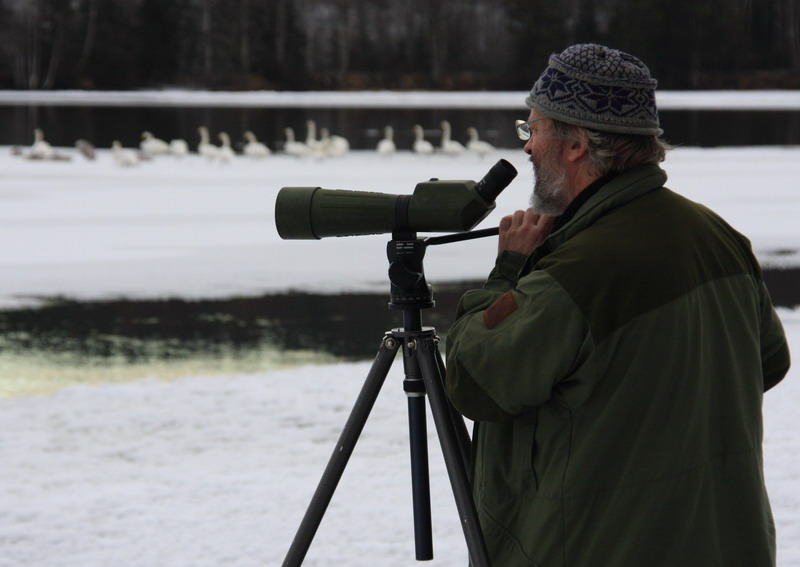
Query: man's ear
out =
(575, 149)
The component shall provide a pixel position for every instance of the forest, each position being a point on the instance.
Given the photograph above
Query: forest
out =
(386, 44)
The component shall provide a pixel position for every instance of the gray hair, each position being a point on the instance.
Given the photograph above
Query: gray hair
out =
(614, 153)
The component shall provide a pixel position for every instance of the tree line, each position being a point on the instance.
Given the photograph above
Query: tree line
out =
(386, 44)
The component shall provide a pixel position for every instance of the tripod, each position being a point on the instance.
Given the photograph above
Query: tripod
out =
(424, 374)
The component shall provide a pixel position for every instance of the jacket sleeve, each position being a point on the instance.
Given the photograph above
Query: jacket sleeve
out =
(512, 350)
(775, 357)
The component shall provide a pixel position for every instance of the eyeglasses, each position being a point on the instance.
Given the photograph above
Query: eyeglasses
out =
(524, 128)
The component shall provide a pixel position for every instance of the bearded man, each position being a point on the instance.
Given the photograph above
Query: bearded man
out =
(615, 360)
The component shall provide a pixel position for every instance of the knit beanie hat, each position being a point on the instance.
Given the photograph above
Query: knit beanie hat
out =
(598, 88)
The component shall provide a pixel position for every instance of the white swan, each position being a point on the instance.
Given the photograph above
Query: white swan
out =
(205, 148)
(179, 148)
(316, 146)
(421, 145)
(253, 148)
(448, 145)
(387, 146)
(152, 145)
(123, 157)
(225, 152)
(292, 147)
(475, 144)
(335, 146)
(40, 149)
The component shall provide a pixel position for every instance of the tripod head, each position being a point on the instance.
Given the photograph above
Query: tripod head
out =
(409, 289)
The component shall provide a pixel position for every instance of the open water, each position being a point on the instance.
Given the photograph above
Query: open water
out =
(66, 341)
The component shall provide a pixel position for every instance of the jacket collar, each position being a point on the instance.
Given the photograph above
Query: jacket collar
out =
(618, 191)
(582, 197)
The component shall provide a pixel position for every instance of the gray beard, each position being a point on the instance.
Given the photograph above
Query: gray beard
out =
(549, 197)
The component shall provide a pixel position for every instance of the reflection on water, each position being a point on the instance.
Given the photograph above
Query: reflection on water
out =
(35, 372)
(67, 342)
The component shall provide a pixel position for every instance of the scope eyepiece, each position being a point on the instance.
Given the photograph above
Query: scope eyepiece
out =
(497, 179)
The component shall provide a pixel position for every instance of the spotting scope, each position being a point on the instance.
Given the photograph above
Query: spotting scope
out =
(435, 206)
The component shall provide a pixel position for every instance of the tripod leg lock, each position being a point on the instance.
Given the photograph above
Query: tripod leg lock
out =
(414, 387)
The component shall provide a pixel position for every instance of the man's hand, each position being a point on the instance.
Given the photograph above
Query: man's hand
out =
(523, 231)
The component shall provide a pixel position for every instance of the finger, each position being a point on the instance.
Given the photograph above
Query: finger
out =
(532, 217)
(547, 222)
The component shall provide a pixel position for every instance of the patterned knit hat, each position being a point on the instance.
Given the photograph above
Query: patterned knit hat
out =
(598, 88)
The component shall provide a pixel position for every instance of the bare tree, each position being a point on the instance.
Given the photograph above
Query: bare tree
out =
(344, 37)
(206, 43)
(790, 36)
(30, 58)
(244, 36)
(89, 36)
(438, 37)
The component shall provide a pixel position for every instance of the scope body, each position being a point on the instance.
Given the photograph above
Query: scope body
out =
(435, 206)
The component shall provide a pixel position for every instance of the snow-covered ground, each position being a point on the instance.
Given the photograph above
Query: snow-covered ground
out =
(192, 228)
(212, 470)
(218, 470)
(666, 100)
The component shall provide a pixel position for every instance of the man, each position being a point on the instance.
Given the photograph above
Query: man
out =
(616, 358)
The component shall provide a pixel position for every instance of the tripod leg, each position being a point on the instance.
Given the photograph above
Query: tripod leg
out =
(456, 469)
(414, 387)
(341, 454)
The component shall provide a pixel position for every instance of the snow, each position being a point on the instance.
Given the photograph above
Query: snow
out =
(667, 100)
(193, 228)
(218, 470)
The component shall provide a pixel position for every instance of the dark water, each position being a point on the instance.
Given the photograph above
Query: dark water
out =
(347, 326)
(66, 341)
(63, 125)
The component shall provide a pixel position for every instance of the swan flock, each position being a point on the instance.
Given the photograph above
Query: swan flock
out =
(316, 144)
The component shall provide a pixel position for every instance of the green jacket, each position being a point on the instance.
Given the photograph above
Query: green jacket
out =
(616, 379)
